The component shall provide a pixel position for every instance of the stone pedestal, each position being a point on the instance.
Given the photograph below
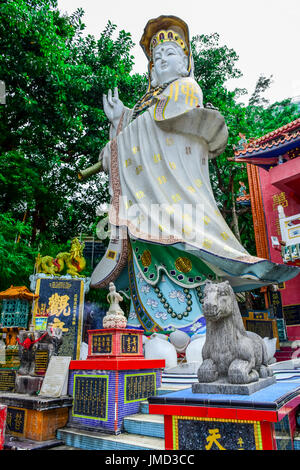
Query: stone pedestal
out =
(226, 388)
(28, 384)
(35, 418)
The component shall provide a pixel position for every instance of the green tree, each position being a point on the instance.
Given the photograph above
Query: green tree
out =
(53, 124)
(15, 254)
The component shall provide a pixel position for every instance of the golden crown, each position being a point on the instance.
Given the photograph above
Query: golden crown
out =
(167, 36)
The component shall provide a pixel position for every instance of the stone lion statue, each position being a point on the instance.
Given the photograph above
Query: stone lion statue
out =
(229, 352)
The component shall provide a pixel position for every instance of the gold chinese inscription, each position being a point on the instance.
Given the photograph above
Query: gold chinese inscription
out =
(216, 434)
(59, 305)
(41, 362)
(15, 420)
(101, 344)
(138, 387)
(7, 380)
(130, 344)
(213, 438)
(279, 199)
(90, 394)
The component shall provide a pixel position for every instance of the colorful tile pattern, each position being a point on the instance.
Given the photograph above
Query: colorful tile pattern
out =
(102, 398)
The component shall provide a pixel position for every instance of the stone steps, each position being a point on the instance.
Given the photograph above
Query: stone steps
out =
(145, 424)
(141, 432)
(89, 440)
(64, 448)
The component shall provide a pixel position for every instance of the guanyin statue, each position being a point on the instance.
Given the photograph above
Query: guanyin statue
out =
(168, 234)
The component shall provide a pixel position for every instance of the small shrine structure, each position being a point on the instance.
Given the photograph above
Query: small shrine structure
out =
(14, 316)
(16, 303)
(273, 167)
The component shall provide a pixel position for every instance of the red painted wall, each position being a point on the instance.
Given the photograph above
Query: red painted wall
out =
(272, 196)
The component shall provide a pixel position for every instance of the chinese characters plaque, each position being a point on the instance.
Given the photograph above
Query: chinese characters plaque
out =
(7, 380)
(139, 386)
(15, 420)
(101, 343)
(62, 300)
(90, 396)
(41, 362)
(216, 434)
(130, 344)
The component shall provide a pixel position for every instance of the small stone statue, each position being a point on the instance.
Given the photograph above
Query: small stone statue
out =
(115, 317)
(230, 352)
(27, 347)
(51, 341)
(32, 341)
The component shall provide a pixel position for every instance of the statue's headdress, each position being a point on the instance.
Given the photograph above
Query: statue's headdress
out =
(166, 29)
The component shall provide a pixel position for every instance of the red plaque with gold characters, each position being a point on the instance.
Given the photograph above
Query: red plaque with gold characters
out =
(115, 342)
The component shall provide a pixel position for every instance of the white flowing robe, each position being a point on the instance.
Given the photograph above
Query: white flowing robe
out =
(161, 191)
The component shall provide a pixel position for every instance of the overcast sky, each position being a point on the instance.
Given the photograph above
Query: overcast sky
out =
(264, 33)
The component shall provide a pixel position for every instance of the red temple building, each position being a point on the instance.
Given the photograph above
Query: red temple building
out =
(273, 166)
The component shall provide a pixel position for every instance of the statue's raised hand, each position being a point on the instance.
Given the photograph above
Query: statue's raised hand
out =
(113, 106)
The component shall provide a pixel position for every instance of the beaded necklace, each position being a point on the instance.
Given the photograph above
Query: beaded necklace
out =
(188, 309)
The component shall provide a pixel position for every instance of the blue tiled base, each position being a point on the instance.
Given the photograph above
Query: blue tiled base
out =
(144, 407)
(297, 444)
(115, 405)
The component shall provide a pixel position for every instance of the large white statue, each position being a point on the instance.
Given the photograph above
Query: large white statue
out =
(162, 202)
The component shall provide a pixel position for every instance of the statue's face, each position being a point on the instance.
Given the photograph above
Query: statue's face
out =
(168, 62)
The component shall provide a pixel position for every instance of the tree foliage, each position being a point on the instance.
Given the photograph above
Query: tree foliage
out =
(53, 124)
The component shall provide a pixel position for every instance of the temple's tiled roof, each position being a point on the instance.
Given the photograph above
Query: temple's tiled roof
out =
(266, 149)
(17, 292)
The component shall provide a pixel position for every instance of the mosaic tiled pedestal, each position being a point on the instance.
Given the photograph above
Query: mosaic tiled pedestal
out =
(36, 418)
(264, 420)
(104, 391)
